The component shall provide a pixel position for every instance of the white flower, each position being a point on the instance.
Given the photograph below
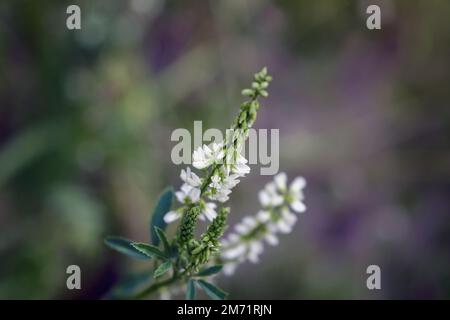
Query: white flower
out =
(208, 211)
(188, 193)
(190, 177)
(204, 156)
(231, 181)
(215, 182)
(221, 195)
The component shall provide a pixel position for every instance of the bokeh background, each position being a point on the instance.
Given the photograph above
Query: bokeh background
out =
(86, 118)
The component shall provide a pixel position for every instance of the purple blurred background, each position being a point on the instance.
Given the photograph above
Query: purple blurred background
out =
(364, 116)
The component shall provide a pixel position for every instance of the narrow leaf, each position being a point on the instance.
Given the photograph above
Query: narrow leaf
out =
(162, 237)
(125, 246)
(163, 268)
(212, 291)
(209, 271)
(161, 208)
(149, 250)
(190, 292)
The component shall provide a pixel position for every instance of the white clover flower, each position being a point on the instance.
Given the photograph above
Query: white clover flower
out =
(190, 177)
(204, 156)
(188, 193)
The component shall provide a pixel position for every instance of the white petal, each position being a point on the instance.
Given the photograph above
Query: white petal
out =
(210, 213)
(277, 200)
(235, 252)
(283, 227)
(264, 198)
(289, 217)
(263, 216)
(298, 206)
(298, 184)
(194, 194)
(271, 239)
(281, 181)
(249, 221)
(256, 248)
(242, 228)
(180, 196)
(183, 175)
(229, 268)
(171, 216)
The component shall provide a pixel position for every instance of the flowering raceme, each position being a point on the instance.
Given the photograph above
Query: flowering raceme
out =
(186, 261)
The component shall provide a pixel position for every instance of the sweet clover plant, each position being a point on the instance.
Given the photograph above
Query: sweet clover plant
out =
(188, 263)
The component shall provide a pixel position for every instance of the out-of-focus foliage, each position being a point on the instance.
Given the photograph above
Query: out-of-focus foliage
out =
(86, 118)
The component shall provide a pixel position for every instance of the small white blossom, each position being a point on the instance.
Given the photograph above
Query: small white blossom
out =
(215, 182)
(190, 177)
(208, 211)
(204, 156)
(246, 242)
(221, 195)
(188, 193)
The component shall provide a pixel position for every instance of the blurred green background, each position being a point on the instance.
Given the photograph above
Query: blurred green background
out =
(86, 118)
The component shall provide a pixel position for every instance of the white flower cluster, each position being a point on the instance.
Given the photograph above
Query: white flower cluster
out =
(277, 200)
(228, 165)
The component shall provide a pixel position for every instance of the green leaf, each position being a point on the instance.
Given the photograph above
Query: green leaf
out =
(163, 268)
(129, 286)
(162, 207)
(149, 250)
(190, 292)
(212, 291)
(125, 246)
(209, 271)
(162, 237)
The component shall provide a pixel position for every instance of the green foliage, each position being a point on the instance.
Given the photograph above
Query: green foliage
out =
(210, 271)
(162, 269)
(161, 208)
(190, 292)
(125, 246)
(184, 254)
(212, 291)
(149, 250)
(162, 237)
